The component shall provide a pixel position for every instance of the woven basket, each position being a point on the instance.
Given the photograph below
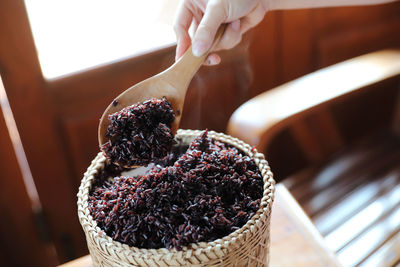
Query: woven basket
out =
(247, 246)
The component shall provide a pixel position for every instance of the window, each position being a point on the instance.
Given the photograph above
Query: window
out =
(73, 35)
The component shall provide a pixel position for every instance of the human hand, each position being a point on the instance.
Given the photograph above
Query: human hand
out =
(206, 17)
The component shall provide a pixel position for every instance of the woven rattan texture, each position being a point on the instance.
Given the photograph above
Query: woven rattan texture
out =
(247, 246)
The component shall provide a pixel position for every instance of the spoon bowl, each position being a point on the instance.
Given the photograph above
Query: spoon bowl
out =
(171, 84)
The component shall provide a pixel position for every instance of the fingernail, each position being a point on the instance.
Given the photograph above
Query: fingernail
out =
(208, 62)
(199, 48)
(236, 25)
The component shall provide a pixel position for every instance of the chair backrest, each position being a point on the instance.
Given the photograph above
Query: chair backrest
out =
(305, 121)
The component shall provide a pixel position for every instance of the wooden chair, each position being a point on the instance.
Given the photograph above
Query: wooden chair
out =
(332, 137)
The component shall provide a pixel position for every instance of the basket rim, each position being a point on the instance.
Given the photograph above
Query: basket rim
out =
(107, 245)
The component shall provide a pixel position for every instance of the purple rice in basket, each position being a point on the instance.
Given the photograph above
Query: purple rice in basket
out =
(140, 134)
(204, 194)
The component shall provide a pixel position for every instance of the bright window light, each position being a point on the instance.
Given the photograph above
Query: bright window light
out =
(74, 35)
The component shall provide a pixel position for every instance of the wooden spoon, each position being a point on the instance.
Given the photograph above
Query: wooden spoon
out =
(171, 84)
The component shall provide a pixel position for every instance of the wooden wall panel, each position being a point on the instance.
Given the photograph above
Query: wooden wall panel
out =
(94, 89)
(330, 21)
(350, 43)
(20, 243)
(295, 45)
(342, 33)
(263, 54)
(80, 135)
(209, 101)
(215, 92)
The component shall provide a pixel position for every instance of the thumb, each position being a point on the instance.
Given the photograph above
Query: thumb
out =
(214, 16)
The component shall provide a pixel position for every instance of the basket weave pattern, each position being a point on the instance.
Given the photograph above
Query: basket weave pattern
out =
(247, 246)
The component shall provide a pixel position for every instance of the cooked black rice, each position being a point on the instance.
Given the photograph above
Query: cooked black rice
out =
(140, 134)
(208, 192)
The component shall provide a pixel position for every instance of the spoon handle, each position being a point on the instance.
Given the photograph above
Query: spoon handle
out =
(187, 66)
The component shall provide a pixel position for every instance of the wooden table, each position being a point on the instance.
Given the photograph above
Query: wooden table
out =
(294, 240)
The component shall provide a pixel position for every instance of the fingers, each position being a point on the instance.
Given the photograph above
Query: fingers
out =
(183, 19)
(182, 45)
(208, 15)
(214, 16)
(252, 19)
(231, 37)
(212, 59)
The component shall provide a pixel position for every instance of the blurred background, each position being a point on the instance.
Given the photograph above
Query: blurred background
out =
(62, 62)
